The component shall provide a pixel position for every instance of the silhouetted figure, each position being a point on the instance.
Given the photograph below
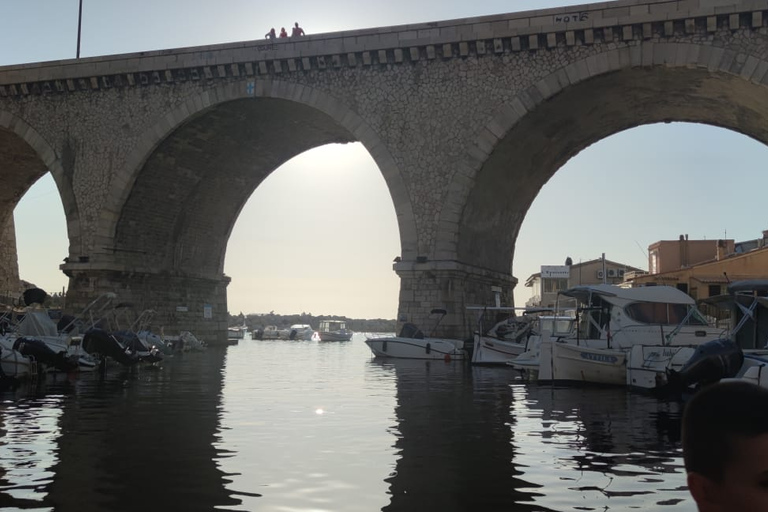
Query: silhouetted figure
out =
(283, 33)
(297, 30)
(271, 34)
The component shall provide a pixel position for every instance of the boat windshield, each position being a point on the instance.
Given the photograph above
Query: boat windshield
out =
(557, 325)
(661, 313)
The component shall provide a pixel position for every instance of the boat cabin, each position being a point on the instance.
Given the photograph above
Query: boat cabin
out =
(332, 325)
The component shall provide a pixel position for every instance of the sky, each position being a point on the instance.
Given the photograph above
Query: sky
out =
(320, 233)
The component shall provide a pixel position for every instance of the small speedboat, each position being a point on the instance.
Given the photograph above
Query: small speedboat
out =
(417, 348)
(412, 344)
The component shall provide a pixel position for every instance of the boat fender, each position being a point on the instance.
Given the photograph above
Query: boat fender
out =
(429, 348)
(447, 358)
(384, 346)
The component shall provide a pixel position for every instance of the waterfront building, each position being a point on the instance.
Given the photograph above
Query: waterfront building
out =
(552, 279)
(703, 268)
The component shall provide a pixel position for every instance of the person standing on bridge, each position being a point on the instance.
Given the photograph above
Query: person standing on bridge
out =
(283, 33)
(271, 34)
(297, 30)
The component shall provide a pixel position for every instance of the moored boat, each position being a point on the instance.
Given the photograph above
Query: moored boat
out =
(412, 344)
(334, 330)
(612, 323)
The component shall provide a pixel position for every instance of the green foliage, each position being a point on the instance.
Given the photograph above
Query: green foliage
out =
(259, 321)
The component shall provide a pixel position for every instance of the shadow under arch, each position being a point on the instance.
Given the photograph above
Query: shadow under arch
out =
(190, 175)
(552, 121)
(25, 157)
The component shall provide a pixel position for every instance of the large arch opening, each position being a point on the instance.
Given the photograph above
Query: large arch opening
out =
(33, 235)
(175, 223)
(649, 183)
(558, 128)
(318, 236)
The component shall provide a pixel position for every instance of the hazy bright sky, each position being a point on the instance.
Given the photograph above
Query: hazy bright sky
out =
(320, 233)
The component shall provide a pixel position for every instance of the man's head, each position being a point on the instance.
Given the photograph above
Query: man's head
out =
(725, 447)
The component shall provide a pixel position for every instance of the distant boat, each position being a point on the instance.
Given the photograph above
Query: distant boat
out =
(334, 330)
(237, 333)
(297, 332)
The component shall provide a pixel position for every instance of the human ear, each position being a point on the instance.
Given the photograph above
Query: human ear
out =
(704, 492)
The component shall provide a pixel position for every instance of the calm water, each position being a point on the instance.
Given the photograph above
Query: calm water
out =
(284, 426)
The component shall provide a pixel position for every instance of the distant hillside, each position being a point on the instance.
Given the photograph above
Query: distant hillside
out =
(259, 321)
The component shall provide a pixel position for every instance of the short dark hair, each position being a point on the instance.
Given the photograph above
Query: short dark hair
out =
(716, 417)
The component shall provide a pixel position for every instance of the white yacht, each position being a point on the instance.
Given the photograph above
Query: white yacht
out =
(619, 330)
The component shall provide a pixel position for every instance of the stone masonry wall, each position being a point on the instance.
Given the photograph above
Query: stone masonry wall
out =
(9, 265)
(436, 99)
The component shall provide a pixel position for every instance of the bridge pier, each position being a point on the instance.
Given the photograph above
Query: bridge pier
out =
(9, 265)
(181, 303)
(452, 286)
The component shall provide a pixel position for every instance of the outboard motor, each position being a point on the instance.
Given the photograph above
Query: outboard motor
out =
(41, 352)
(98, 341)
(145, 353)
(712, 361)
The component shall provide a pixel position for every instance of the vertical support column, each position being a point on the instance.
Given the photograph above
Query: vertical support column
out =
(180, 303)
(452, 286)
(9, 262)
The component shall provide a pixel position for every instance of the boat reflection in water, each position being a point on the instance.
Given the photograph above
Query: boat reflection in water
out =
(604, 447)
(454, 427)
(111, 445)
(470, 440)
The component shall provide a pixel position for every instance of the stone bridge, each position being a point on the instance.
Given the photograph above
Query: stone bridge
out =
(155, 153)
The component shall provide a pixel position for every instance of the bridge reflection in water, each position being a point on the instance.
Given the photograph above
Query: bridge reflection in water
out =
(341, 432)
(473, 439)
(112, 444)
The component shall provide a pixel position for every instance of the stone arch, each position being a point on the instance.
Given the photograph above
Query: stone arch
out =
(300, 96)
(37, 157)
(551, 121)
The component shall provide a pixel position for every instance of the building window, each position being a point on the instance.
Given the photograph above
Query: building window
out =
(714, 289)
(683, 287)
(554, 285)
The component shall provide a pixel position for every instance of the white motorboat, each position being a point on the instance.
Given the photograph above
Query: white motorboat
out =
(505, 340)
(508, 339)
(611, 322)
(412, 344)
(743, 354)
(334, 330)
(270, 332)
(13, 364)
(417, 348)
(237, 332)
(301, 332)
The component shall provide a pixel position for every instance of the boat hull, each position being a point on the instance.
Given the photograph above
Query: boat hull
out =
(414, 348)
(574, 363)
(492, 351)
(335, 336)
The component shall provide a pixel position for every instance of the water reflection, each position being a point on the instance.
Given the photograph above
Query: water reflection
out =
(131, 441)
(305, 426)
(455, 443)
(28, 429)
(602, 449)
